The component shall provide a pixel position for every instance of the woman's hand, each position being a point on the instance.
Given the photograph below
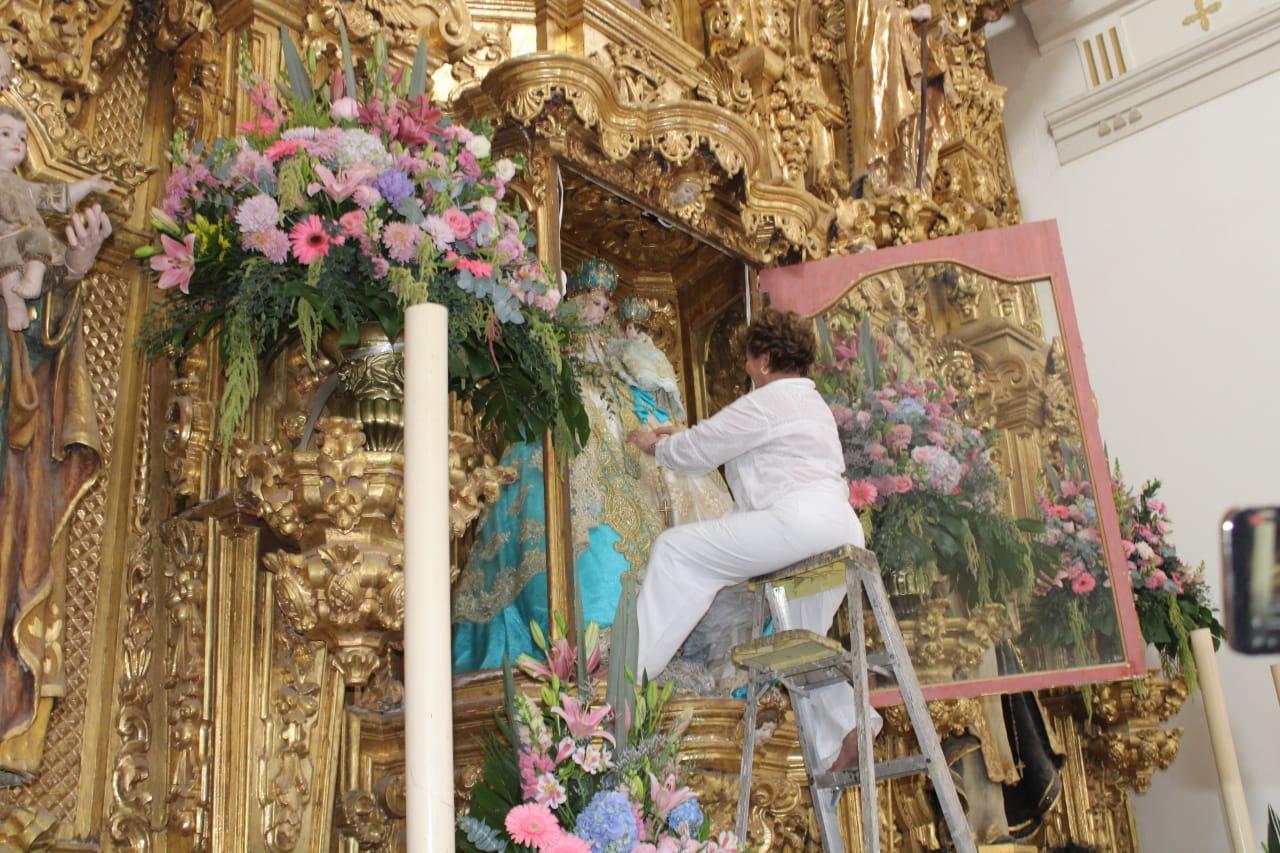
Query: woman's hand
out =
(644, 439)
(666, 429)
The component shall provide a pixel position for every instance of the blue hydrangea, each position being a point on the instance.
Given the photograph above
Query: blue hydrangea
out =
(394, 185)
(687, 815)
(608, 823)
(908, 408)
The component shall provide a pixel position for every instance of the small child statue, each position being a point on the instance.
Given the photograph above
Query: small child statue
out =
(26, 246)
(644, 364)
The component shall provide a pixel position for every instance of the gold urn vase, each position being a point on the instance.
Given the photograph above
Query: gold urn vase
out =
(370, 385)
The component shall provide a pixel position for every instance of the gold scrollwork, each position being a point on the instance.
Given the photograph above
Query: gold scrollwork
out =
(290, 772)
(186, 595)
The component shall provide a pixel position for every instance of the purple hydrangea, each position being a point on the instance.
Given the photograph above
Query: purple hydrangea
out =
(608, 823)
(394, 185)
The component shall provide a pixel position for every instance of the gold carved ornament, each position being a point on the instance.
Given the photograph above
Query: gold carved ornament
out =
(340, 505)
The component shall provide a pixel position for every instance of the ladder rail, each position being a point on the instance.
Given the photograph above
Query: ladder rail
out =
(861, 577)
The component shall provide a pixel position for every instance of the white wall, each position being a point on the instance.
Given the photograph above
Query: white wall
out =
(1172, 240)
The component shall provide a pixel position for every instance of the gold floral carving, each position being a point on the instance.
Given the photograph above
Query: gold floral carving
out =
(490, 47)
(187, 436)
(129, 821)
(448, 22)
(290, 772)
(945, 647)
(71, 44)
(341, 506)
(474, 479)
(186, 602)
(365, 822)
(1129, 743)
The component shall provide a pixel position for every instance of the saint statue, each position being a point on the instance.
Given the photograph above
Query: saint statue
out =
(886, 89)
(50, 450)
(620, 500)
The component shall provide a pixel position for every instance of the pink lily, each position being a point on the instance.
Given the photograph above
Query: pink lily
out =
(340, 188)
(666, 796)
(561, 662)
(583, 722)
(177, 263)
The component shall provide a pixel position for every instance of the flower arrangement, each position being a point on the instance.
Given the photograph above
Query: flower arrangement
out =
(342, 204)
(1071, 601)
(557, 780)
(1171, 597)
(922, 482)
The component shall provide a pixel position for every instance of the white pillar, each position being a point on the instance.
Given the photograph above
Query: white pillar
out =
(428, 696)
(1224, 748)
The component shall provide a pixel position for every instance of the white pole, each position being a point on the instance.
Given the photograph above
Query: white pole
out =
(1224, 748)
(428, 695)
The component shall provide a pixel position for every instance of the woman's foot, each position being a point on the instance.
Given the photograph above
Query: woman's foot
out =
(847, 759)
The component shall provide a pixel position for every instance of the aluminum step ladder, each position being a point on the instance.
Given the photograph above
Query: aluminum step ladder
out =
(803, 661)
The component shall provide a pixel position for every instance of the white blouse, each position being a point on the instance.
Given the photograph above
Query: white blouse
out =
(774, 441)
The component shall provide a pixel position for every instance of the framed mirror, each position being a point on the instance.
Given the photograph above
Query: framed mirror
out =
(957, 377)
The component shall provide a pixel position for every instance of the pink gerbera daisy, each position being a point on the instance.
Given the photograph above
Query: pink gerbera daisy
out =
(566, 843)
(1083, 584)
(310, 240)
(862, 493)
(532, 825)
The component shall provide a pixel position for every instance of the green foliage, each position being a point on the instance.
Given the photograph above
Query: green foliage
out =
(984, 554)
(516, 376)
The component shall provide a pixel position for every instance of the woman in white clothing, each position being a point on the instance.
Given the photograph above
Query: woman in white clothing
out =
(785, 466)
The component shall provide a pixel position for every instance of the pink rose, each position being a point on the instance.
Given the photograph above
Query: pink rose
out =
(903, 484)
(458, 222)
(1156, 579)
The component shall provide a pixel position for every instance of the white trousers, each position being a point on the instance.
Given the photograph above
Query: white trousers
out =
(690, 563)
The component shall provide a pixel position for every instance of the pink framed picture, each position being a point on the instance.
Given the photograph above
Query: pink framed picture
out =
(958, 380)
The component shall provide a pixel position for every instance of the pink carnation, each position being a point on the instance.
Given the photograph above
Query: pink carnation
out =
(1156, 579)
(282, 148)
(353, 225)
(468, 165)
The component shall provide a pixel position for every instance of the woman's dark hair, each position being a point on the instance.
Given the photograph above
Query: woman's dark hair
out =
(786, 338)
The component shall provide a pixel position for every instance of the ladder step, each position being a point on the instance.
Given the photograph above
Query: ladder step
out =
(892, 768)
(804, 658)
(788, 651)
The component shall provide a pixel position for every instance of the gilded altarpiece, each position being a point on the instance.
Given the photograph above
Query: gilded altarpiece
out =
(233, 613)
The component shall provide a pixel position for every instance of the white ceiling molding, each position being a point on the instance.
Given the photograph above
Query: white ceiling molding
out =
(1056, 22)
(1224, 59)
